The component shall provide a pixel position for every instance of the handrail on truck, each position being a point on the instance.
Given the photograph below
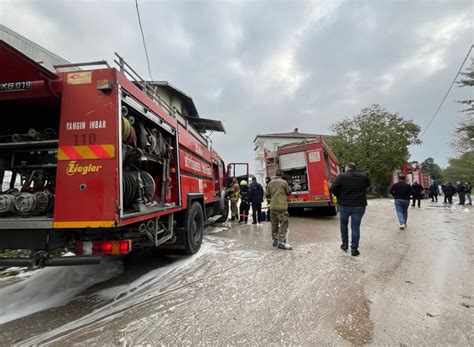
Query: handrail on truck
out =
(90, 63)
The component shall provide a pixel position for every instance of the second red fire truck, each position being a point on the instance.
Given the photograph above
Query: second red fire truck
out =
(309, 167)
(413, 173)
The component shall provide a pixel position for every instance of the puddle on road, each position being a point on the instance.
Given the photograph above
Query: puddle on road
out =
(354, 324)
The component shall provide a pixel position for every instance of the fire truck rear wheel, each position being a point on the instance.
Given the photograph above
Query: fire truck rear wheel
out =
(224, 212)
(194, 229)
(332, 211)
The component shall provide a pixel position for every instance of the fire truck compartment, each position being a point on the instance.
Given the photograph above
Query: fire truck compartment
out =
(149, 159)
(28, 159)
(297, 180)
(294, 169)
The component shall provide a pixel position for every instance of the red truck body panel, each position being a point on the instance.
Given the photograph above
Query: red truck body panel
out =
(320, 165)
(87, 189)
(413, 172)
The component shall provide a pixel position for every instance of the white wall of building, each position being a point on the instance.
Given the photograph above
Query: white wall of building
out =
(263, 143)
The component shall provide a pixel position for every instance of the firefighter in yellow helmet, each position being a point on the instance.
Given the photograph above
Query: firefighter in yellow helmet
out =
(244, 202)
(234, 195)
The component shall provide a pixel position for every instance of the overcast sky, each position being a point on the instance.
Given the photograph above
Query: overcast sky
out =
(272, 66)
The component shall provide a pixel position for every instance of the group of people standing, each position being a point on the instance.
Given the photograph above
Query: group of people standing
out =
(403, 192)
(462, 189)
(249, 196)
(350, 188)
(276, 194)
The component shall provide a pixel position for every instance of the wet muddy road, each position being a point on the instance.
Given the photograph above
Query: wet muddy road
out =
(407, 287)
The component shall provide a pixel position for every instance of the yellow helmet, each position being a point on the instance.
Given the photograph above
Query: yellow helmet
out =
(243, 183)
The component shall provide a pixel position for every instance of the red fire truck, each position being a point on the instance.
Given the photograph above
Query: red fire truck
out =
(94, 161)
(309, 167)
(413, 172)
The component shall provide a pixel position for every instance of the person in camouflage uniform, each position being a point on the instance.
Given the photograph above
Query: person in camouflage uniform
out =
(277, 192)
(267, 181)
(234, 195)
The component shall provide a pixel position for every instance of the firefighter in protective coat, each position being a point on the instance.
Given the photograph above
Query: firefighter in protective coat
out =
(234, 195)
(244, 202)
(278, 190)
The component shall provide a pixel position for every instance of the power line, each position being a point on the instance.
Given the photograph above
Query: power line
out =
(447, 93)
(143, 39)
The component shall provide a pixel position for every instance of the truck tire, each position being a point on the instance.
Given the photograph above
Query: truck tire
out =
(296, 211)
(194, 229)
(332, 211)
(224, 212)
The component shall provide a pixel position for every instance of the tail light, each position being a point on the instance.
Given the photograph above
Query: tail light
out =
(104, 247)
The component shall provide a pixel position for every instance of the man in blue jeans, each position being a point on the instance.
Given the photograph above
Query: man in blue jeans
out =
(350, 188)
(402, 192)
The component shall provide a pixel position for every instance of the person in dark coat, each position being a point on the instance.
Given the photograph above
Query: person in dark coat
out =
(350, 188)
(434, 192)
(443, 189)
(468, 192)
(402, 192)
(417, 189)
(256, 199)
(449, 191)
(461, 190)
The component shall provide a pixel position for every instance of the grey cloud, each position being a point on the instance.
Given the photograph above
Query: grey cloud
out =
(269, 66)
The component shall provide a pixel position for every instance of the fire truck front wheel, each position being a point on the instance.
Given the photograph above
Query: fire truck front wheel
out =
(194, 229)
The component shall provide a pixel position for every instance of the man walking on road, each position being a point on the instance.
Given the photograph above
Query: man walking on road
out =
(277, 191)
(256, 199)
(350, 188)
(402, 192)
(417, 189)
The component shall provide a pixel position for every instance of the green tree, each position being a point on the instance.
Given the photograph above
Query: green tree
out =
(433, 169)
(464, 133)
(460, 169)
(376, 141)
(468, 81)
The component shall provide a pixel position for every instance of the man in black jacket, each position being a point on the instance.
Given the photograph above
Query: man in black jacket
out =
(402, 192)
(256, 198)
(350, 188)
(417, 189)
(461, 190)
(468, 192)
(449, 191)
